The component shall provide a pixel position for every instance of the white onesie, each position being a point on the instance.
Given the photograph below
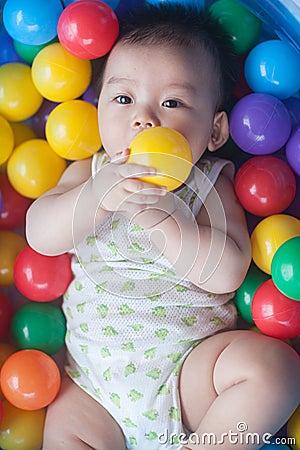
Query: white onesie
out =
(132, 320)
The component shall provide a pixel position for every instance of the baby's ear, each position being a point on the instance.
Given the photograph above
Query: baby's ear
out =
(220, 131)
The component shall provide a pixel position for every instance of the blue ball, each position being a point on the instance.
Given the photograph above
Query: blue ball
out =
(273, 67)
(32, 22)
(8, 53)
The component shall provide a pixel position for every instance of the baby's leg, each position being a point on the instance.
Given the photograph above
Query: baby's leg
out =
(236, 380)
(75, 421)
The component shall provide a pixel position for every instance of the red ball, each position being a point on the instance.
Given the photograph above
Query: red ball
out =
(88, 29)
(6, 313)
(275, 314)
(14, 205)
(42, 278)
(265, 185)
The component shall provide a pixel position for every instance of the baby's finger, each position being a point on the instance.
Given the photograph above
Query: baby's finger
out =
(136, 186)
(136, 171)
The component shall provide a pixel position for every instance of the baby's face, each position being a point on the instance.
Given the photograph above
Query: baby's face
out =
(156, 86)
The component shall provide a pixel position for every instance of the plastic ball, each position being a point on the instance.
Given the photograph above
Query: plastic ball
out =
(275, 314)
(58, 75)
(292, 150)
(22, 132)
(293, 429)
(243, 26)
(6, 140)
(88, 29)
(260, 124)
(14, 205)
(265, 185)
(285, 268)
(273, 67)
(30, 379)
(5, 351)
(244, 294)
(29, 52)
(19, 98)
(8, 53)
(34, 168)
(39, 326)
(269, 234)
(167, 151)
(21, 430)
(293, 107)
(39, 120)
(72, 130)
(42, 278)
(11, 244)
(32, 22)
(6, 313)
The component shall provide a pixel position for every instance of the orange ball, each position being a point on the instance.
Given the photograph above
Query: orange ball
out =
(30, 379)
(11, 244)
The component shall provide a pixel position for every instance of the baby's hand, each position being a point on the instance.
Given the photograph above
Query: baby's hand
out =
(118, 187)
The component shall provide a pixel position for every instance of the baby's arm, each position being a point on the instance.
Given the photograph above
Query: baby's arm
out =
(49, 221)
(65, 215)
(214, 250)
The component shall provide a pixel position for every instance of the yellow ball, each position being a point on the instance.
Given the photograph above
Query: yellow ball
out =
(269, 234)
(58, 75)
(34, 168)
(6, 140)
(72, 130)
(11, 244)
(167, 151)
(22, 132)
(19, 98)
(20, 429)
(293, 429)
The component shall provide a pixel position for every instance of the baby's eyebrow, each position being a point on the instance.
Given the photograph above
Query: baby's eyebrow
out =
(183, 85)
(119, 80)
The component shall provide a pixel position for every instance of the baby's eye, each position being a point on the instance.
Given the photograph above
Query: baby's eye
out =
(171, 103)
(123, 99)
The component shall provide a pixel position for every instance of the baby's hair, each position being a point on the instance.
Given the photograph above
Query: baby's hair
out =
(174, 25)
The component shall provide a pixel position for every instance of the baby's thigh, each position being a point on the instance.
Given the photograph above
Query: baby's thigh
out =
(76, 421)
(227, 359)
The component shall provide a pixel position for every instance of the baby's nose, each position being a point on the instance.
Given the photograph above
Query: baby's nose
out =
(145, 119)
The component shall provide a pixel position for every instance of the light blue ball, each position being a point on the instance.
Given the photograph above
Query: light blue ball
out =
(32, 22)
(273, 67)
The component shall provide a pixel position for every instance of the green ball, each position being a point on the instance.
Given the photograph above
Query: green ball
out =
(29, 52)
(285, 268)
(39, 326)
(237, 21)
(245, 293)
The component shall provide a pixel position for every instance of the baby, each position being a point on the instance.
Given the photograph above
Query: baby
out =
(155, 271)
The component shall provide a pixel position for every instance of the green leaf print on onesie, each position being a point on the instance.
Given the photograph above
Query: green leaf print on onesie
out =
(115, 399)
(174, 413)
(152, 414)
(129, 369)
(125, 309)
(102, 310)
(135, 395)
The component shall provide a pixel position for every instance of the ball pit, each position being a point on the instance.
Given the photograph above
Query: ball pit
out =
(29, 94)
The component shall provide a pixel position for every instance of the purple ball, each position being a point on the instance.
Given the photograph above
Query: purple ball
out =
(292, 150)
(260, 124)
(38, 121)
